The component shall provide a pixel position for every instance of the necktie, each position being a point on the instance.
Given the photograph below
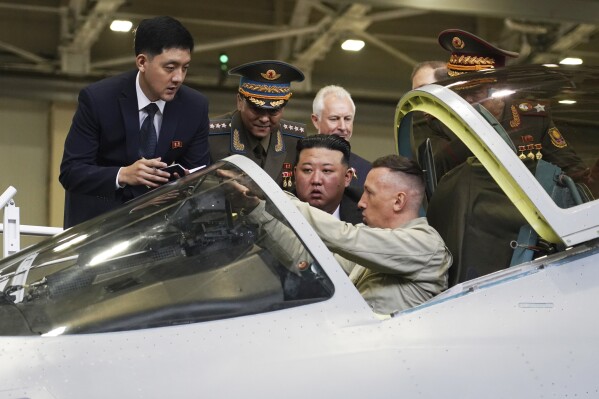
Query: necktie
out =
(147, 133)
(260, 154)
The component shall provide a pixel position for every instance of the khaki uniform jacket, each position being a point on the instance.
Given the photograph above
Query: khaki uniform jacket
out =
(229, 136)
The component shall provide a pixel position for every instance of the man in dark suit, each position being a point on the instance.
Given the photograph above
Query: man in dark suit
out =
(323, 176)
(333, 112)
(255, 129)
(107, 158)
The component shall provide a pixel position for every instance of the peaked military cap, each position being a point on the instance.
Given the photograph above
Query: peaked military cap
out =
(266, 84)
(470, 53)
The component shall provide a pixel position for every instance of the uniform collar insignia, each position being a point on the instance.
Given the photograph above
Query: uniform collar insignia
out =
(237, 144)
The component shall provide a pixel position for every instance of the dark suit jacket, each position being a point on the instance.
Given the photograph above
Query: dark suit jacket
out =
(362, 167)
(104, 136)
(349, 211)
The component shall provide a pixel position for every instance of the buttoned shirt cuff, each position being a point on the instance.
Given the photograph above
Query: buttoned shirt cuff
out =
(116, 183)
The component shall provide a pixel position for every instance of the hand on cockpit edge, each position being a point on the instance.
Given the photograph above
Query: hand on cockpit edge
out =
(242, 197)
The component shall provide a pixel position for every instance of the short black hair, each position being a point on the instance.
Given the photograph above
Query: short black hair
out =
(329, 141)
(153, 36)
(399, 163)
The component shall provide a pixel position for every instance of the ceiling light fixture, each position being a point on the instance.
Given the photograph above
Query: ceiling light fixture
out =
(121, 26)
(571, 61)
(352, 45)
(567, 102)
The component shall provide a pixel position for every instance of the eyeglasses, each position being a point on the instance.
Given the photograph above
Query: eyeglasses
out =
(261, 111)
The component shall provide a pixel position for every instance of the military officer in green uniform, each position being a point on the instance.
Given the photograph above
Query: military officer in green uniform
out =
(255, 129)
(526, 121)
(469, 210)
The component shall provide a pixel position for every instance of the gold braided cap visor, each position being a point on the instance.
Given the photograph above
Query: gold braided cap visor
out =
(265, 95)
(266, 91)
(459, 64)
(261, 101)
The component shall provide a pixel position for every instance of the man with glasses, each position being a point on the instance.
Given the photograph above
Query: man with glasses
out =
(255, 129)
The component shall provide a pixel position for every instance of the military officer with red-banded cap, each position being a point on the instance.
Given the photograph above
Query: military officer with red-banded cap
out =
(526, 120)
(468, 208)
(255, 129)
(470, 53)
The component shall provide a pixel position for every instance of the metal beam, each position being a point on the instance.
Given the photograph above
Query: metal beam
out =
(204, 22)
(87, 33)
(387, 48)
(581, 11)
(350, 21)
(28, 8)
(74, 55)
(395, 14)
(233, 42)
(29, 56)
(579, 34)
(299, 18)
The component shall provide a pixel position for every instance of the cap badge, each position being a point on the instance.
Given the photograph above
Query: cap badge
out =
(458, 43)
(271, 74)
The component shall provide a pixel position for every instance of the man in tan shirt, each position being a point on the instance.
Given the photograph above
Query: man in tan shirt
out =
(397, 260)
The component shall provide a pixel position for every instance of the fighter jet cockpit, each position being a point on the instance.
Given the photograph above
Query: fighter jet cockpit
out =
(479, 136)
(182, 254)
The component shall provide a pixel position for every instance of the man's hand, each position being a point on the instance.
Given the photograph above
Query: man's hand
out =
(240, 188)
(144, 172)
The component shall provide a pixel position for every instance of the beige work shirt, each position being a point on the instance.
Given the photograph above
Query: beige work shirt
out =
(394, 269)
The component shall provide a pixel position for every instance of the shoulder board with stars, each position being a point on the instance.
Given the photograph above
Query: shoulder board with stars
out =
(220, 126)
(530, 107)
(294, 129)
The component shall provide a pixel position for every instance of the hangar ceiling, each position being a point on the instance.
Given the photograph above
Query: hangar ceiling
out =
(70, 39)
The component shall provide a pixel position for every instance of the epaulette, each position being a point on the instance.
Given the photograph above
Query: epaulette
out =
(294, 129)
(220, 126)
(532, 107)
